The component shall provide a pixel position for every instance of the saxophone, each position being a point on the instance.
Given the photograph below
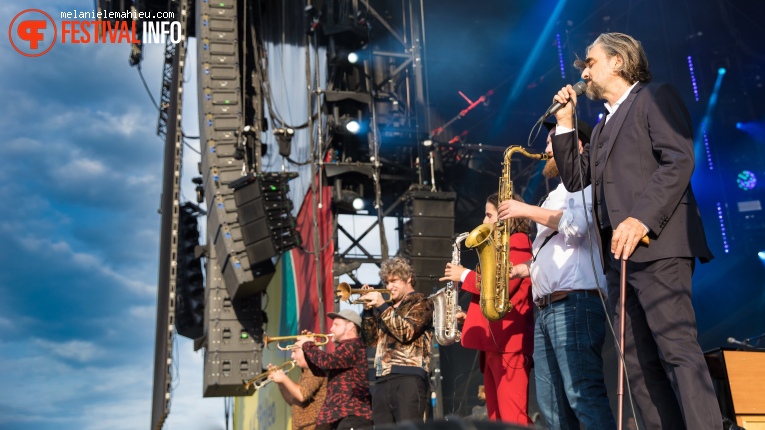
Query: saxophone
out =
(445, 306)
(492, 242)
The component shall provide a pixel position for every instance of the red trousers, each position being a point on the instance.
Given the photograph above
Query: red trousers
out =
(506, 384)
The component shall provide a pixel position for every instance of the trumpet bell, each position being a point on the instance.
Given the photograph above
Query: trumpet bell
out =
(344, 292)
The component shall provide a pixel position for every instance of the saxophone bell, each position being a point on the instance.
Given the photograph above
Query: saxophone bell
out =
(492, 242)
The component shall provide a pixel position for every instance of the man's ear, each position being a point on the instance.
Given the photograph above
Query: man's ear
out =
(618, 62)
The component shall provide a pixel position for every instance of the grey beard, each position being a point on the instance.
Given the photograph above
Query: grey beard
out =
(594, 91)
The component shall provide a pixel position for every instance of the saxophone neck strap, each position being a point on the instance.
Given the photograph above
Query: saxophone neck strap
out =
(547, 239)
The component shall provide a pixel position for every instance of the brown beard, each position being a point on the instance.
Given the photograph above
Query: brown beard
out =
(551, 169)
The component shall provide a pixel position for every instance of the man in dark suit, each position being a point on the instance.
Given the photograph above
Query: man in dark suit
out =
(639, 163)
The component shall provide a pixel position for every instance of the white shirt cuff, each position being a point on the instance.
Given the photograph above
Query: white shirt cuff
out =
(465, 275)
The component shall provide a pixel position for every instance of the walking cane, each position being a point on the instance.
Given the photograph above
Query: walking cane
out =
(622, 320)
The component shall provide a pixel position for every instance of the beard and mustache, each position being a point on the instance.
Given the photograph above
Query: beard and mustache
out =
(550, 170)
(595, 91)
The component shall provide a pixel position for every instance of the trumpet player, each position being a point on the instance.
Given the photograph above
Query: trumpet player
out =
(506, 345)
(401, 333)
(347, 404)
(306, 396)
(571, 321)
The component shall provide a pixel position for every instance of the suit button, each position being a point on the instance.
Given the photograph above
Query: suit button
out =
(600, 145)
(597, 183)
(598, 202)
(597, 162)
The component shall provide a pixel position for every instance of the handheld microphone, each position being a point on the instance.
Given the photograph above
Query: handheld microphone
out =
(579, 88)
(733, 341)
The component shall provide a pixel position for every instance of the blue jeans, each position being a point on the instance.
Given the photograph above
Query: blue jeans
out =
(568, 366)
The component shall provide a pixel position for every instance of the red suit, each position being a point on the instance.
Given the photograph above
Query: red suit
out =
(506, 345)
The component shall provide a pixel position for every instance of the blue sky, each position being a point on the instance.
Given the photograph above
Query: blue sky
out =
(80, 173)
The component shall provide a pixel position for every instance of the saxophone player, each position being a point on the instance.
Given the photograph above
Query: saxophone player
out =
(571, 321)
(506, 345)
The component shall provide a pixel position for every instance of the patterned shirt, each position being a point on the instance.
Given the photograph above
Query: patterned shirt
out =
(314, 390)
(347, 385)
(402, 335)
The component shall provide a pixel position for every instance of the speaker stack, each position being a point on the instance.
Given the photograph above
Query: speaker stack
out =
(265, 228)
(428, 235)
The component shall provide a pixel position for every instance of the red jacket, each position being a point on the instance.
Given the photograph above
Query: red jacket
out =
(514, 332)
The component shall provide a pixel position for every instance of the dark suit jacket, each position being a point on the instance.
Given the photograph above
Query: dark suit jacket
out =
(647, 173)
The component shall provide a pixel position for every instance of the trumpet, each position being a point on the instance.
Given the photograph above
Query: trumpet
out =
(344, 292)
(268, 339)
(255, 380)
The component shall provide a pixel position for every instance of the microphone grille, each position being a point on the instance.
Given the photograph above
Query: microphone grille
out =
(580, 87)
(731, 340)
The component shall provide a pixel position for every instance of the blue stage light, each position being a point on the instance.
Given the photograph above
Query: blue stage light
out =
(726, 248)
(693, 79)
(721, 71)
(739, 125)
(761, 254)
(746, 180)
(560, 57)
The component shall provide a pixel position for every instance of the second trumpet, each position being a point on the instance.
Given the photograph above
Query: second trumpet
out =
(344, 292)
(268, 339)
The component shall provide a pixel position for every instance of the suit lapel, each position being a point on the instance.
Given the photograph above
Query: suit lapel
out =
(619, 117)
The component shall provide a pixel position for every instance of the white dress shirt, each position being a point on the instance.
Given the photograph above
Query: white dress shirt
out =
(564, 262)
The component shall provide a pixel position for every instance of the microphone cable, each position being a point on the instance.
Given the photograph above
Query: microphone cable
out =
(592, 263)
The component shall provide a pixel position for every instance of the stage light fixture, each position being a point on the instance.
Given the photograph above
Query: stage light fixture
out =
(348, 125)
(746, 180)
(284, 140)
(349, 200)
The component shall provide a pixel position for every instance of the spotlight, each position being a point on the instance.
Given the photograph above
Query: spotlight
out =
(284, 140)
(353, 126)
(721, 71)
(761, 254)
(350, 200)
(353, 58)
(739, 125)
(427, 143)
(348, 125)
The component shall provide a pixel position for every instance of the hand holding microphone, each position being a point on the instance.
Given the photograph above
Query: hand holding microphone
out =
(561, 108)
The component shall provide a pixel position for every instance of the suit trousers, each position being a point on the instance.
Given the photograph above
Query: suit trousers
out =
(506, 384)
(667, 373)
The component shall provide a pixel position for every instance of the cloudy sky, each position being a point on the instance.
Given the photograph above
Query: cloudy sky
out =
(80, 173)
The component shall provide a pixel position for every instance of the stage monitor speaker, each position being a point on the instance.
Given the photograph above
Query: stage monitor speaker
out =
(738, 377)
